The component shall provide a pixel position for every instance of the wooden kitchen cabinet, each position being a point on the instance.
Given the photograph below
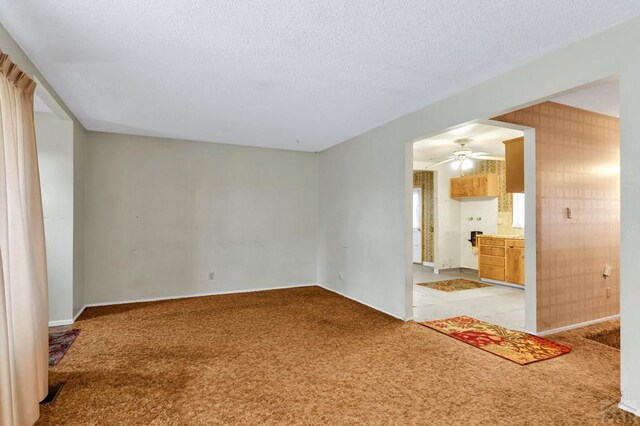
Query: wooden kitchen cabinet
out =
(475, 186)
(514, 161)
(459, 187)
(501, 259)
(514, 271)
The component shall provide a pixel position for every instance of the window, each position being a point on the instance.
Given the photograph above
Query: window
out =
(417, 209)
(518, 210)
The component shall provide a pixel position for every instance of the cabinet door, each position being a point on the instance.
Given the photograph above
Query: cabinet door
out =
(514, 160)
(459, 187)
(478, 186)
(515, 265)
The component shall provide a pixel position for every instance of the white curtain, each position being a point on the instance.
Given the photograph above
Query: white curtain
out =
(23, 278)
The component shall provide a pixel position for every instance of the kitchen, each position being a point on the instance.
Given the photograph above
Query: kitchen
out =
(468, 229)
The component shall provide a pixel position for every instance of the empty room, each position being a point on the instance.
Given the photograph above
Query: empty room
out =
(399, 212)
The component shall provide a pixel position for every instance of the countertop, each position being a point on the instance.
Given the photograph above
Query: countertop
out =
(510, 237)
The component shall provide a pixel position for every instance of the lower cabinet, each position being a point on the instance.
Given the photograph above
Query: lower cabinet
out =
(501, 259)
(515, 265)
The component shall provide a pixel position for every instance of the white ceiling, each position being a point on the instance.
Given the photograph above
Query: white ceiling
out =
(271, 72)
(486, 138)
(603, 98)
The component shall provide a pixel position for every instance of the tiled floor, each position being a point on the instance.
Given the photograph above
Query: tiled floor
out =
(495, 304)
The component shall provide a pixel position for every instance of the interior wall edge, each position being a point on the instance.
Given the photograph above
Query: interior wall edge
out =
(369, 305)
(630, 237)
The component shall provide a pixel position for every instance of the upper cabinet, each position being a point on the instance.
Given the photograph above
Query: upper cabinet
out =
(514, 158)
(474, 186)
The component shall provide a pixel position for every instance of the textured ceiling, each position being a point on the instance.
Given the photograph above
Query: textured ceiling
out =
(486, 138)
(268, 73)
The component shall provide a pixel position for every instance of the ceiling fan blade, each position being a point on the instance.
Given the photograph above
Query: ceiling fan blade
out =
(450, 157)
(477, 154)
(440, 163)
(489, 157)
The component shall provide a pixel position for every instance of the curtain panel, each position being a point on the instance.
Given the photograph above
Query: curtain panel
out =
(23, 274)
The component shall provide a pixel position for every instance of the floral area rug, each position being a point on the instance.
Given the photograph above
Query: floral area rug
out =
(454, 285)
(59, 344)
(521, 348)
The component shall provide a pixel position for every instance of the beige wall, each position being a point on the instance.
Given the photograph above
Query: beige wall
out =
(578, 154)
(79, 158)
(162, 214)
(55, 158)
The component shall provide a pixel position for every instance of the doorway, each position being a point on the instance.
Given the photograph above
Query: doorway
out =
(571, 152)
(462, 173)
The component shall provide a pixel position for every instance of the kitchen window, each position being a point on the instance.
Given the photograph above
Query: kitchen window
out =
(518, 210)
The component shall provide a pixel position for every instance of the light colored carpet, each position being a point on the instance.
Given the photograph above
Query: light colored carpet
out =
(308, 356)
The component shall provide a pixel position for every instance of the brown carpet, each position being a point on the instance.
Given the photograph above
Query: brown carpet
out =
(610, 337)
(308, 356)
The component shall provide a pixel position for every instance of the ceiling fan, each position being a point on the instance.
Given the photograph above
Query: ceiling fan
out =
(463, 156)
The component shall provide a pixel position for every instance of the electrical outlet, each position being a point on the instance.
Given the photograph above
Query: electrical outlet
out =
(212, 275)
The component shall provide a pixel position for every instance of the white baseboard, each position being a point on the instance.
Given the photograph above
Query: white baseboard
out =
(573, 326)
(363, 303)
(156, 299)
(79, 313)
(186, 296)
(629, 408)
(429, 264)
(58, 323)
(502, 283)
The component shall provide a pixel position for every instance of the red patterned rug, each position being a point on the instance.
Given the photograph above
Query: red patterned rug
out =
(59, 344)
(454, 285)
(521, 348)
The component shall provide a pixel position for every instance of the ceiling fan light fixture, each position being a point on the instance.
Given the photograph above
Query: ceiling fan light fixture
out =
(462, 164)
